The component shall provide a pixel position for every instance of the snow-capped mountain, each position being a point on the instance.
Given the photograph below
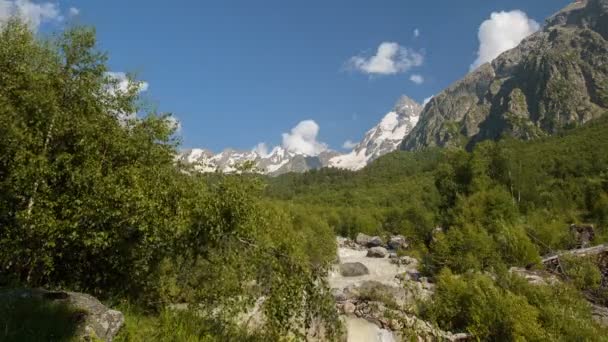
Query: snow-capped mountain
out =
(384, 138)
(380, 140)
(277, 162)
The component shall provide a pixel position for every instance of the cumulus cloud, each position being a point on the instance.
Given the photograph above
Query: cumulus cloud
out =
(390, 58)
(502, 32)
(349, 144)
(303, 139)
(416, 33)
(261, 149)
(174, 123)
(73, 11)
(123, 83)
(418, 79)
(33, 14)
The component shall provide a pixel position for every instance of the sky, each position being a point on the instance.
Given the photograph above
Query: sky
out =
(236, 73)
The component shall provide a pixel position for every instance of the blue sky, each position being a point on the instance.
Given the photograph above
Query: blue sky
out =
(237, 73)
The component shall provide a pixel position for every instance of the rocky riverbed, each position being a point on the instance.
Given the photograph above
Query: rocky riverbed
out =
(371, 283)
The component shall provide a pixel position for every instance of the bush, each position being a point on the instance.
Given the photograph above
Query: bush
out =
(473, 303)
(510, 309)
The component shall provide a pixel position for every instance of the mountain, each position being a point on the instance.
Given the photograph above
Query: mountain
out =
(277, 162)
(555, 79)
(383, 138)
(380, 140)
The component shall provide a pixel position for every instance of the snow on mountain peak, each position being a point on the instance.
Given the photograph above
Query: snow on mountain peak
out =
(383, 138)
(301, 151)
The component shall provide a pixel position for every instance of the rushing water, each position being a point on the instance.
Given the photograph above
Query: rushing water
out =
(380, 270)
(360, 330)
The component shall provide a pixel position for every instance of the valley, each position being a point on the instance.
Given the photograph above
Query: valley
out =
(480, 215)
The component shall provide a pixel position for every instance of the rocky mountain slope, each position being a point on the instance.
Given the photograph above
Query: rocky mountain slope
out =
(555, 79)
(378, 141)
(383, 138)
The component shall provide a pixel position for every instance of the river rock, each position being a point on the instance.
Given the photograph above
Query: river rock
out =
(398, 242)
(362, 239)
(375, 241)
(349, 308)
(377, 252)
(353, 269)
(404, 260)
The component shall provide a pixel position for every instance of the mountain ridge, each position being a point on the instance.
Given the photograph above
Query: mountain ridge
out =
(381, 139)
(554, 79)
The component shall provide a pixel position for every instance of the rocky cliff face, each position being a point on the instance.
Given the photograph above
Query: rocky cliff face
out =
(555, 79)
(382, 138)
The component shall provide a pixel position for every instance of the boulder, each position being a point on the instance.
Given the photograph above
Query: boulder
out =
(349, 308)
(377, 252)
(375, 241)
(353, 269)
(369, 241)
(398, 242)
(404, 260)
(95, 320)
(362, 239)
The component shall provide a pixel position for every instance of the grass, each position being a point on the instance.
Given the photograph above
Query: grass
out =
(33, 320)
(178, 326)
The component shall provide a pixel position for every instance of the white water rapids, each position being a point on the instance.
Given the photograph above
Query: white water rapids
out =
(380, 270)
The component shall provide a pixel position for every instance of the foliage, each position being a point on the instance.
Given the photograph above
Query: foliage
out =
(91, 199)
(36, 320)
(582, 272)
(510, 309)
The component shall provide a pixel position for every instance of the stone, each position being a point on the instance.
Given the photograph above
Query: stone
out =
(377, 252)
(375, 241)
(362, 239)
(404, 260)
(349, 308)
(415, 276)
(398, 242)
(353, 269)
(535, 277)
(583, 234)
(600, 314)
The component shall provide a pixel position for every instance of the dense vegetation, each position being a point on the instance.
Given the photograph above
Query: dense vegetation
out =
(91, 200)
(472, 215)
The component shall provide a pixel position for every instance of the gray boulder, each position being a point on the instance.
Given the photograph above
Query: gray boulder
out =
(377, 252)
(353, 269)
(375, 241)
(398, 242)
(362, 239)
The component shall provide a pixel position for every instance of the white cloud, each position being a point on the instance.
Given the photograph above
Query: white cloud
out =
(123, 83)
(31, 13)
(427, 100)
(502, 32)
(416, 33)
(174, 123)
(418, 79)
(390, 58)
(73, 11)
(261, 149)
(348, 144)
(303, 139)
